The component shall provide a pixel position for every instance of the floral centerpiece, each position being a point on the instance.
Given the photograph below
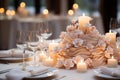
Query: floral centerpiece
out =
(82, 42)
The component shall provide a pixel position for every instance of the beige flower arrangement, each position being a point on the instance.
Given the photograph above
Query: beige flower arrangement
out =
(76, 44)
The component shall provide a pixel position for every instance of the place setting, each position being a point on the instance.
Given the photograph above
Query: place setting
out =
(13, 55)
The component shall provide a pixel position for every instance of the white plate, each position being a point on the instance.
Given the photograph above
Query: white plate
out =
(99, 74)
(50, 73)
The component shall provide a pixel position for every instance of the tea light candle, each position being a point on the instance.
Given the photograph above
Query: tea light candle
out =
(52, 46)
(81, 66)
(49, 61)
(83, 20)
(45, 12)
(70, 12)
(112, 37)
(42, 56)
(112, 62)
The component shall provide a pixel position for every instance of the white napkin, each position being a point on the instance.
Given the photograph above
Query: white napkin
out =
(115, 72)
(19, 74)
(13, 53)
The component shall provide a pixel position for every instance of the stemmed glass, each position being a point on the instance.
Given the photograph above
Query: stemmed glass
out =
(44, 31)
(113, 24)
(33, 44)
(21, 44)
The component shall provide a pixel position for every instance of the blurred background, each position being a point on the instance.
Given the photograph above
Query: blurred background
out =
(31, 14)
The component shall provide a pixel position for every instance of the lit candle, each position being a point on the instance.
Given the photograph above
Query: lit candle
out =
(9, 15)
(45, 12)
(75, 6)
(2, 10)
(70, 12)
(112, 62)
(22, 11)
(112, 37)
(52, 46)
(42, 56)
(22, 4)
(83, 20)
(49, 61)
(12, 12)
(81, 66)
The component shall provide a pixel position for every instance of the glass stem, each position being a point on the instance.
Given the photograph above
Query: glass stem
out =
(34, 57)
(24, 59)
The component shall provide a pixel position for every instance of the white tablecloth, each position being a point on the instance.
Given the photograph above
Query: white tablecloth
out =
(70, 74)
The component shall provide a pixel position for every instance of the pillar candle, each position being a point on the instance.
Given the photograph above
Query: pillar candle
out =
(112, 62)
(81, 66)
(82, 21)
(112, 37)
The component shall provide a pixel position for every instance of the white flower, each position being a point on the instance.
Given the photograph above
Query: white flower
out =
(68, 63)
(70, 28)
(77, 58)
(60, 63)
(89, 46)
(77, 42)
(109, 50)
(101, 44)
(62, 35)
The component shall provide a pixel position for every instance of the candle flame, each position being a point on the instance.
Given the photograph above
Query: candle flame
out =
(83, 14)
(42, 52)
(22, 4)
(53, 41)
(110, 31)
(82, 60)
(112, 57)
(2, 10)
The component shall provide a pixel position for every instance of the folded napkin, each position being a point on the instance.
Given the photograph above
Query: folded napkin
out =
(19, 74)
(115, 72)
(13, 53)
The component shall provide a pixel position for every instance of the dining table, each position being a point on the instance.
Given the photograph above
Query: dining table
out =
(65, 73)
(14, 65)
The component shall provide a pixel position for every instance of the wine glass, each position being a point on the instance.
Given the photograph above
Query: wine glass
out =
(45, 31)
(20, 43)
(113, 24)
(33, 44)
